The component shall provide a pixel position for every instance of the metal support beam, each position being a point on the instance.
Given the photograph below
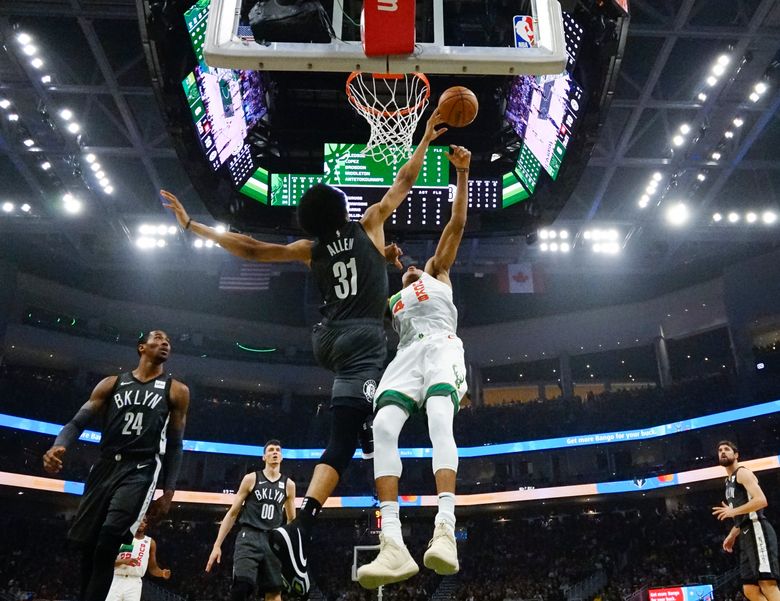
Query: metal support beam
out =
(117, 9)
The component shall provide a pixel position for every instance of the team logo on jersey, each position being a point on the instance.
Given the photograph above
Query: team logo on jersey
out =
(369, 390)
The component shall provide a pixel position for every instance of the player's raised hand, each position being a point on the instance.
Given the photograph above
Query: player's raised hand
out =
(216, 556)
(459, 156)
(431, 133)
(393, 254)
(174, 204)
(52, 459)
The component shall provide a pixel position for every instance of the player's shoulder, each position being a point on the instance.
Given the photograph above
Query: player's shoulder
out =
(744, 474)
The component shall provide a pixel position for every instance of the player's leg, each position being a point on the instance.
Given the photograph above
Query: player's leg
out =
(246, 560)
(115, 592)
(769, 589)
(135, 587)
(269, 572)
(753, 592)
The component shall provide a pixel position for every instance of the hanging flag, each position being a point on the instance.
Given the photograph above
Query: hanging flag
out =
(244, 276)
(520, 278)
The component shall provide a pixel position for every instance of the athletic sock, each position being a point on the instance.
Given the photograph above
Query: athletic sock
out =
(391, 521)
(446, 514)
(310, 509)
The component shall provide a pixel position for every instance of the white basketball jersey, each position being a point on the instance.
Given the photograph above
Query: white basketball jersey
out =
(422, 309)
(141, 549)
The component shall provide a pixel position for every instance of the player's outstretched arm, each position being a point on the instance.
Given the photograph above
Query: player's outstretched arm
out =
(174, 450)
(154, 569)
(52, 459)
(447, 249)
(289, 504)
(375, 216)
(239, 245)
(247, 484)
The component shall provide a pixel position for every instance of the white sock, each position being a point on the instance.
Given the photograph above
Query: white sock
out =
(446, 514)
(391, 521)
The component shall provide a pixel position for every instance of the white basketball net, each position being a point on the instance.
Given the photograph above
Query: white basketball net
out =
(392, 105)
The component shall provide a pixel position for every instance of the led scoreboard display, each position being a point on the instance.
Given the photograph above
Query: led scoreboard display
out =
(349, 165)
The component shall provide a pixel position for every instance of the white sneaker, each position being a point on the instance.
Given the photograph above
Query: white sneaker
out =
(393, 564)
(442, 553)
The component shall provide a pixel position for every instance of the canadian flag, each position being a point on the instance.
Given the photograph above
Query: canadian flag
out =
(520, 278)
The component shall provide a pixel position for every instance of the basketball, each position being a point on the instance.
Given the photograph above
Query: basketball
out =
(458, 106)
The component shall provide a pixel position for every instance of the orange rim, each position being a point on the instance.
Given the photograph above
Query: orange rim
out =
(370, 109)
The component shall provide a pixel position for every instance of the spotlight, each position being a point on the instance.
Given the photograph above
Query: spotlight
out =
(37, 63)
(95, 166)
(46, 165)
(554, 246)
(751, 217)
(8, 207)
(543, 234)
(678, 140)
(198, 243)
(553, 234)
(23, 38)
(29, 49)
(651, 189)
(162, 229)
(715, 156)
(209, 243)
(769, 217)
(702, 96)
(74, 127)
(597, 247)
(738, 122)
(46, 79)
(145, 243)
(172, 230)
(4, 103)
(29, 142)
(90, 158)
(685, 129)
(760, 87)
(563, 234)
(677, 214)
(494, 157)
(221, 229)
(100, 175)
(728, 134)
(161, 243)
(643, 202)
(724, 59)
(104, 182)
(26, 208)
(718, 70)
(145, 229)
(108, 190)
(733, 217)
(711, 81)
(587, 234)
(544, 247)
(66, 114)
(701, 177)
(13, 117)
(73, 206)
(754, 97)
(657, 176)
(565, 247)
(717, 217)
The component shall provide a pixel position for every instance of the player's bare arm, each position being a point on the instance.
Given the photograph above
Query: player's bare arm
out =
(375, 216)
(439, 265)
(247, 484)
(179, 405)
(53, 458)
(289, 504)
(757, 498)
(728, 542)
(239, 245)
(154, 569)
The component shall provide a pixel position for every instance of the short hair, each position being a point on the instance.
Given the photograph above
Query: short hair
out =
(273, 441)
(322, 210)
(142, 339)
(728, 443)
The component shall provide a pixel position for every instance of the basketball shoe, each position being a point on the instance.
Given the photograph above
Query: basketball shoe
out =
(393, 564)
(442, 553)
(288, 543)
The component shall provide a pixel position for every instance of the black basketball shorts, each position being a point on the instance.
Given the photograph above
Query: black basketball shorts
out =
(758, 552)
(116, 497)
(255, 562)
(355, 350)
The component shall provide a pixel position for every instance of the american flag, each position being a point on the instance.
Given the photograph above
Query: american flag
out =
(244, 276)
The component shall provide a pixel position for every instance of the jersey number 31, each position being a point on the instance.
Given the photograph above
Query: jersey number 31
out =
(346, 273)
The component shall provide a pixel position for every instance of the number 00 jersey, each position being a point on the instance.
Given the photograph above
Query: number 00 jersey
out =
(264, 506)
(136, 418)
(351, 275)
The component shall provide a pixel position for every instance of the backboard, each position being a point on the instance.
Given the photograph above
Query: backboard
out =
(225, 47)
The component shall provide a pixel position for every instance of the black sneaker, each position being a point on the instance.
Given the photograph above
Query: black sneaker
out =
(367, 438)
(288, 544)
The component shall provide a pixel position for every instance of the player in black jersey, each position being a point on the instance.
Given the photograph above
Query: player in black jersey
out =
(143, 413)
(745, 502)
(258, 506)
(347, 260)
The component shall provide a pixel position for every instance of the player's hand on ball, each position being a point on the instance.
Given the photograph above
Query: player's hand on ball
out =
(166, 574)
(175, 205)
(459, 156)
(431, 133)
(52, 459)
(723, 512)
(216, 556)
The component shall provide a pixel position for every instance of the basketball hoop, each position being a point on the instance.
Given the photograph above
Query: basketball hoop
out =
(392, 104)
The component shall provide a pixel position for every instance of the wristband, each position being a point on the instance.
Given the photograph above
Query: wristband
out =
(462, 169)
(187, 225)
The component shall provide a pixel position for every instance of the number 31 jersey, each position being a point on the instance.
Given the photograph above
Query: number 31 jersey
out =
(351, 275)
(136, 418)
(264, 506)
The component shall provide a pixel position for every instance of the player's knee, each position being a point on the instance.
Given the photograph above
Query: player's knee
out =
(386, 431)
(273, 596)
(338, 454)
(767, 586)
(752, 592)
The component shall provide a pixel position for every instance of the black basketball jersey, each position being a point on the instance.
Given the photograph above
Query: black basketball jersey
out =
(736, 496)
(351, 274)
(264, 506)
(136, 418)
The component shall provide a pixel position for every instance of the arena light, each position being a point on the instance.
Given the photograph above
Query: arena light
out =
(26, 208)
(751, 217)
(29, 142)
(651, 189)
(553, 247)
(678, 140)
(23, 38)
(587, 234)
(612, 234)
(162, 230)
(221, 229)
(95, 166)
(13, 117)
(701, 177)
(172, 230)
(563, 234)
(544, 247)
(565, 247)
(4, 103)
(161, 243)
(760, 87)
(716, 156)
(544, 234)
(66, 114)
(46, 79)
(100, 175)
(209, 243)
(145, 243)
(36, 63)
(702, 96)
(90, 158)
(198, 243)
(643, 202)
(46, 165)
(711, 81)
(728, 134)
(718, 70)
(769, 217)
(685, 129)
(754, 97)
(104, 182)
(717, 217)
(29, 50)
(108, 190)
(738, 122)
(678, 214)
(146, 230)
(74, 127)
(657, 176)
(733, 217)
(8, 207)
(553, 234)
(71, 204)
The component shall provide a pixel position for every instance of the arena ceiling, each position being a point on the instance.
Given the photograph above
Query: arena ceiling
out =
(92, 51)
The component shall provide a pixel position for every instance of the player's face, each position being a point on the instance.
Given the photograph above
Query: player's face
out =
(273, 454)
(141, 527)
(157, 346)
(411, 275)
(726, 455)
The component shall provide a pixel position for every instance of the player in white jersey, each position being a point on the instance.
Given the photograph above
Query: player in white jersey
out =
(428, 373)
(131, 566)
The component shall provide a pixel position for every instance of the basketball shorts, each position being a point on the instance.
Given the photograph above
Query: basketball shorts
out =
(125, 588)
(758, 552)
(116, 496)
(255, 562)
(355, 350)
(431, 366)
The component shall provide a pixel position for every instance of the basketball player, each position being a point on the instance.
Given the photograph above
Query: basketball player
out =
(745, 502)
(258, 507)
(131, 565)
(428, 373)
(143, 414)
(348, 263)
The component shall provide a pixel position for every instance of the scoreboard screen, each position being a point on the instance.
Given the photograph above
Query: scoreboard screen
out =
(350, 165)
